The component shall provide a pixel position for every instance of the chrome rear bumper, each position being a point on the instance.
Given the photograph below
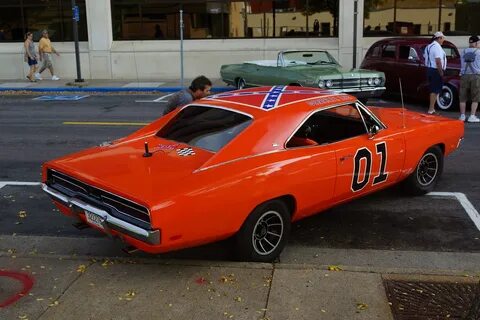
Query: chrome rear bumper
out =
(108, 222)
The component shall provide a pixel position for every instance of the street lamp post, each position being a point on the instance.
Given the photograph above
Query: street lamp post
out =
(355, 14)
(181, 48)
(76, 18)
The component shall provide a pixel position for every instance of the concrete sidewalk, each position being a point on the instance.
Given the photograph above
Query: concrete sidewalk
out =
(72, 280)
(47, 85)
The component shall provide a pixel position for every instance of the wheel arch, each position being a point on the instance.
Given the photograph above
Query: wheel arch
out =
(441, 146)
(288, 199)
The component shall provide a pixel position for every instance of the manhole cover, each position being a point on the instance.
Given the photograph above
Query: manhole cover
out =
(415, 300)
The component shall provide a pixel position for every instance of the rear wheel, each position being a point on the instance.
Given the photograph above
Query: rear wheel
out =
(447, 99)
(240, 84)
(426, 174)
(264, 233)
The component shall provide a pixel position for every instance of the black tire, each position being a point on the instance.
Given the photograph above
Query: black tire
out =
(264, 233)
(240, 84)
(425, 176)
(447, 100)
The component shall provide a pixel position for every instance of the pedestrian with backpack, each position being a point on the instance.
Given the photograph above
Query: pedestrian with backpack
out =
(436, 63)
(470, 79)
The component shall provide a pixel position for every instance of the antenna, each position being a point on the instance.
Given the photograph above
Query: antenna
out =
(147, 153)
(403, 105)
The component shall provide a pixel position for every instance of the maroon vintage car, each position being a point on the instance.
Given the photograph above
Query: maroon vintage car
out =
(402, 58)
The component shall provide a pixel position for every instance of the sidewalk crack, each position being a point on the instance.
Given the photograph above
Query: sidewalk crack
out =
(90, 263)
(264, 317)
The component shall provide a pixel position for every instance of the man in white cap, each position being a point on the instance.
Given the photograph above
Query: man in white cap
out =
(436, 63)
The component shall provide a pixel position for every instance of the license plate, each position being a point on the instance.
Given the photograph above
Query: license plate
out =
(94, 219)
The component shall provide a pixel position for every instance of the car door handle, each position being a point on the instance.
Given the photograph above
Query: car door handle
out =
(345, 157)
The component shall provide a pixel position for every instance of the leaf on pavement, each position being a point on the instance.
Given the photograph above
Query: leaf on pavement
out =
(81, 268)
(362, 306)
(53, 304)
(22, 214)
(334, 268)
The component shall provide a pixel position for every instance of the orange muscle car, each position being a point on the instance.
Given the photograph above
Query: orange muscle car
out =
(247, 164)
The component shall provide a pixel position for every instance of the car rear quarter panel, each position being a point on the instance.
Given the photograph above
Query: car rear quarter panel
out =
(215, 202)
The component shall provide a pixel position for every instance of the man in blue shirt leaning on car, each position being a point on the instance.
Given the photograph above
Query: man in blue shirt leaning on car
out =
(199, 88)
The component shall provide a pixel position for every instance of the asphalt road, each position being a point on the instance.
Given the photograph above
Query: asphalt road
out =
(32, 132)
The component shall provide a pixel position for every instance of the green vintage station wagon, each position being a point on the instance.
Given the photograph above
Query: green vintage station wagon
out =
(308, 69)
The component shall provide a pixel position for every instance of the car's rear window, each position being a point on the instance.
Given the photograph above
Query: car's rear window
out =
(205, 127)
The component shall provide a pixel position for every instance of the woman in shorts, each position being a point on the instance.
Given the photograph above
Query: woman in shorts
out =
(30, 56)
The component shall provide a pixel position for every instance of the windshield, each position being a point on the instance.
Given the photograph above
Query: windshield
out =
(307, 57)
(205, 127)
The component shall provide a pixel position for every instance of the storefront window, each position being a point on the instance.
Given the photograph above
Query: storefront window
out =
(414, 17)
(20, 16)
(463, 17)
(220, 19)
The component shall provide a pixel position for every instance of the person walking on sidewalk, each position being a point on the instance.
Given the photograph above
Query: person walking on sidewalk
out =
(436, 63)
(30, 56)
(45, 50)
(470, 79)
(199, 88)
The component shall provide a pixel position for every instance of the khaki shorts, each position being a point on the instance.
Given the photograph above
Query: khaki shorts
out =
(47, 60)
(470, 88)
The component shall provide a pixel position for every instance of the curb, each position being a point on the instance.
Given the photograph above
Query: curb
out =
(464, 264)
(109, 89)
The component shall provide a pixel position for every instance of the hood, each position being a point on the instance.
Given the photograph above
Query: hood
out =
(122, 168)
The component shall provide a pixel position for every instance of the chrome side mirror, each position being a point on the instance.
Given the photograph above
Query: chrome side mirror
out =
(373, 130)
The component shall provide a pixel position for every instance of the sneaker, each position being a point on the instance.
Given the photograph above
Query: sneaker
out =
(473, 118)
(38, 76)
(55, 78)
(462, 117)
(434, 112)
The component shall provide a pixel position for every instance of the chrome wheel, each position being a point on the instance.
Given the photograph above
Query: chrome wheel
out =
(427, 169)
(267, 233)
(445, 98)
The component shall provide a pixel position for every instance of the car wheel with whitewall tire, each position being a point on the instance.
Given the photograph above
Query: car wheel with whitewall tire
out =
(264, 233)
(240, 84)
(447, 99)
(426, 174)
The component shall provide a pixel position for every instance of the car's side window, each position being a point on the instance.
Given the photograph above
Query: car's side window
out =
(450, 52)
(388, 51)
(375, 52)
(328, 126)
(407, 53)
(370, 120)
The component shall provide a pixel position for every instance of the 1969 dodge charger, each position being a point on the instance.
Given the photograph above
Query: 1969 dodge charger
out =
(316, 69)
(247, 164)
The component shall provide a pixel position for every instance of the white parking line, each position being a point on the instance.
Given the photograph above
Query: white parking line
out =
(18, 183)
(466, 204)
(158, 100)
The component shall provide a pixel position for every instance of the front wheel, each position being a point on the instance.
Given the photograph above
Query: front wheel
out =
(240, 84)
(447, 99)
(264, 233)
(426, 174)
